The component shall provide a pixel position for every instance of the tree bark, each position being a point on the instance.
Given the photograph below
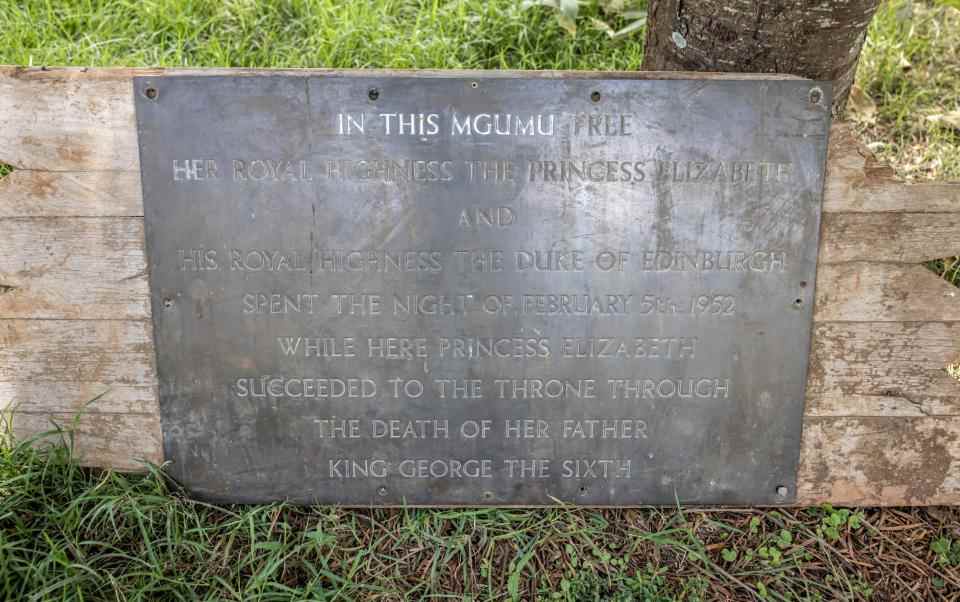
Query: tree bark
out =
(818, 39)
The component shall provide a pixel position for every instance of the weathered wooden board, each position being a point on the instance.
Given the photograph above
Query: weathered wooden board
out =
(67, 124)
(121, 441)
(883, 414)
(94, 269)
(857, 183)
(883, 292)
(883, 369)
(38, 396)
(908, 238)
(83, 351)
(31, 193)
(867, 461)
(73, 268)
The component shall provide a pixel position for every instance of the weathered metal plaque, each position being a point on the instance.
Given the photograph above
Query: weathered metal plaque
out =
(482, 290)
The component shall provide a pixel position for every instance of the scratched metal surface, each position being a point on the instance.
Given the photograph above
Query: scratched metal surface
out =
(740, 448)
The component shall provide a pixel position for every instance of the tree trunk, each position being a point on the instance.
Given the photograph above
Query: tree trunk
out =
(818, 39)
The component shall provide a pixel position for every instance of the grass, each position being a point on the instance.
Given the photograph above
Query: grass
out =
(910, 74)
(478, 34)
(910, 68)
(72, 533)
(69, 533)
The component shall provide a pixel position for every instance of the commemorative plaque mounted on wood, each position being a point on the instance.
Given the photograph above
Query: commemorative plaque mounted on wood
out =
(475, 289)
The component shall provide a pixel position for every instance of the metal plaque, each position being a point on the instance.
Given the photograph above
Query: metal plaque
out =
(445, 289)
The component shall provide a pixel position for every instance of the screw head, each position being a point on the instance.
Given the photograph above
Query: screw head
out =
(382, 491)
(151, 93)
(595, 96)
(816, 95)
(373, 94)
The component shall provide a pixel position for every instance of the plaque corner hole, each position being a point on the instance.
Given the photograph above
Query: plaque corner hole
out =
(798, 303)
(782, 491)
(151, 92)
(595, 96)
(382, 491)
(167, 302)
(474, 85)
(373, 93)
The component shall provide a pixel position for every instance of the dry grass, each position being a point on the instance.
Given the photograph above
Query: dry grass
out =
(72, 533)
(907, 102)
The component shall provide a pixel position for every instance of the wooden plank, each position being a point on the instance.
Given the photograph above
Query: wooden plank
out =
(883, 369)
(79, 351)
(120, 441)
(872, 369)
(68, 124)
(82, 268)
(76, 397)
(889, 237)
(883, 292)
(890, 195)
(856, 182)
(84, 119)
(889, 461)
(126, 73)
(29, 193)
(94, 268)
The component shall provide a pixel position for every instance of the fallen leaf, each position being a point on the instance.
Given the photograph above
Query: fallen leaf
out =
(635, 26)
(860, 106)
(567, 23)
(568, 15)
(602, 26)
(951, 119)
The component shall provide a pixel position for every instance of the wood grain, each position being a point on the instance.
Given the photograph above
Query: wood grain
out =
(890, 461)
(34, 397)
(882, 417)
(83, 268)
(95, 269)
(31, 193)
(78, 351)
(121, 441)
(883, 369)
(883, 292)
(906, 237)
(64, 124)
(857, 183)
